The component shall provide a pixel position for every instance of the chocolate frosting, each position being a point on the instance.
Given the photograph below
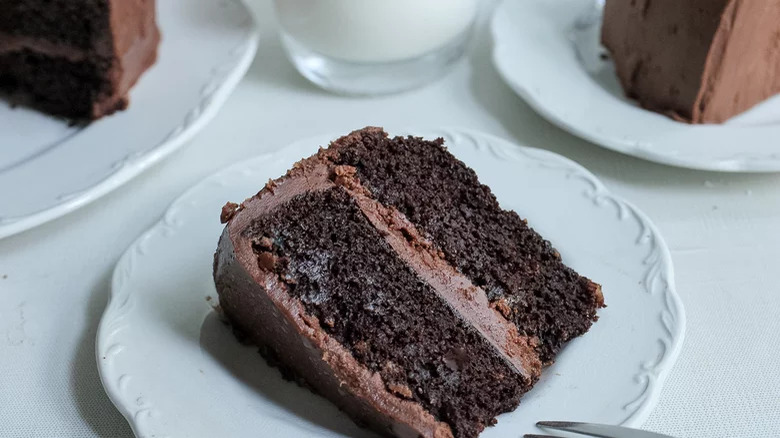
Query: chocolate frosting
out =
(15, 43)
(699, 61)
(136, 37)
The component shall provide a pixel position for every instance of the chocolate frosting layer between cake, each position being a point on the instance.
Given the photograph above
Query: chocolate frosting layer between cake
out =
(16, 43)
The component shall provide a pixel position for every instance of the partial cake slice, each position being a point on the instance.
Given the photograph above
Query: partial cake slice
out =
(75, 58)
(353, 287)
(700, 61)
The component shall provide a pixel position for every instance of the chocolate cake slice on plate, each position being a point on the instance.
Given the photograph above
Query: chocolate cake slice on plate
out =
(381, 274)
(699, 61)
(76, 59)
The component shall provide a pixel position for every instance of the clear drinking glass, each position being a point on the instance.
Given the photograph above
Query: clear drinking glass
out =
(371, 47)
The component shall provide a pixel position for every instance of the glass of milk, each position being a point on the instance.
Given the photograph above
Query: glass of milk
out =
(372, 47)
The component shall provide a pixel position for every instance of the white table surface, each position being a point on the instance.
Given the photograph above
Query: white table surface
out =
(723, 230)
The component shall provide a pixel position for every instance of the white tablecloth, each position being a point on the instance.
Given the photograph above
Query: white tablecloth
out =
(723, 230)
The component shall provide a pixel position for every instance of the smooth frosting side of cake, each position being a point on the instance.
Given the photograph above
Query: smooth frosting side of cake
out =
(743, 67)
(698, 61)
(17, 43)
(135, 41)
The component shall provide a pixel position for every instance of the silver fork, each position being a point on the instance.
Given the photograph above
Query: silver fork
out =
(597, 430)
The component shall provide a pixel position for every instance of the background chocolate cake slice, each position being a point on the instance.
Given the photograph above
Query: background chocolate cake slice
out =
(75, 58)
(366, 300)
(700, 61)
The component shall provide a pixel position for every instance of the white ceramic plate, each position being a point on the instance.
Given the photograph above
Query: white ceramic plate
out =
(174, 370)
(48, 168)
(548, 52)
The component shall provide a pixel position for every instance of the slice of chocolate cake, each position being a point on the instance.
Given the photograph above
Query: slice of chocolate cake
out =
(384, 276)
(699, 61)
(76, 59)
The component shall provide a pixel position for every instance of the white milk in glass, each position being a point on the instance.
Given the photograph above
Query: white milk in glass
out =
(374, 46)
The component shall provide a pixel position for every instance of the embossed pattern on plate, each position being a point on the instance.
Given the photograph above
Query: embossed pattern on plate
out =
(207, 46)
(165, 359)
(548, 52)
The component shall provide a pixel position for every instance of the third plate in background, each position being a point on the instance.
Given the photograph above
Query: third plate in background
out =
(548, 52)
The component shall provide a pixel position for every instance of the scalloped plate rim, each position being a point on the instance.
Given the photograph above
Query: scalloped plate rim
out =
(137, 165)
(635, 419)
